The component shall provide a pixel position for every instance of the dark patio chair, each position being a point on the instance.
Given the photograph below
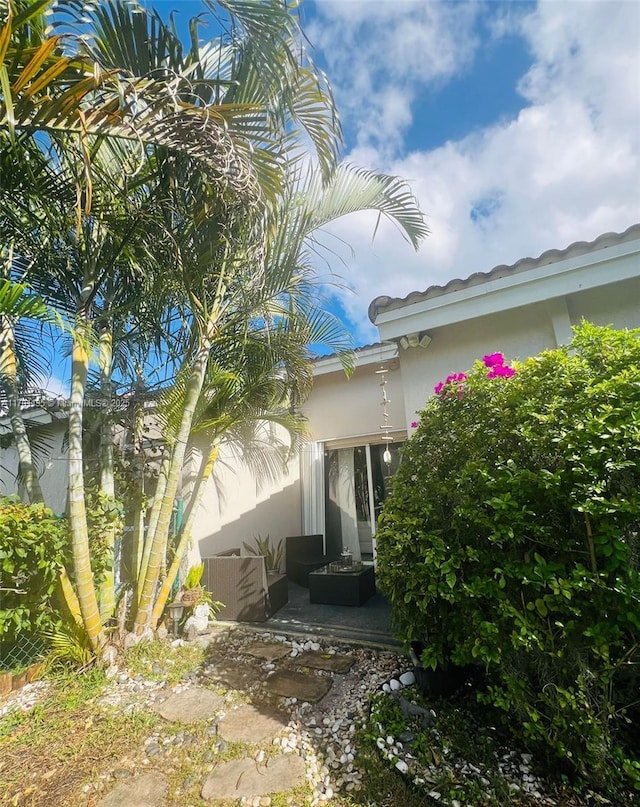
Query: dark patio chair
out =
(249, 594)
(305, 553)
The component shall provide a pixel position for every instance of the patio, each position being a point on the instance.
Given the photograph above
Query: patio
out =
(368, 624)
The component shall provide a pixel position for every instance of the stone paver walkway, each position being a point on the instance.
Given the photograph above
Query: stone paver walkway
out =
(274, 759)
(247, 724)
(191, 705)
(324, 661)
(293, 684)
(147, 790)
(246, 777)
(269, 651)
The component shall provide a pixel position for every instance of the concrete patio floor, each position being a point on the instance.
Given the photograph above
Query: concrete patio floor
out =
(368, 624)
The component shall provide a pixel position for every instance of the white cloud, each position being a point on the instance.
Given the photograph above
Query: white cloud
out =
(380, 53)
(567, 168)
(57, 387)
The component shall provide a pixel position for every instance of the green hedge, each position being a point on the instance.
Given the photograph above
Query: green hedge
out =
(511, 539)
(32, 544)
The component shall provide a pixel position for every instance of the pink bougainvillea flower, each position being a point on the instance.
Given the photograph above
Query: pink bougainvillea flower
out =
(414, 424)
(493, 360)
(456, 377)
(501, 371)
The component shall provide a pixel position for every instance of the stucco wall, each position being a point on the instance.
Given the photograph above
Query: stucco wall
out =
(238, 504)
(619, 306)
(518, 333)
(341, 407)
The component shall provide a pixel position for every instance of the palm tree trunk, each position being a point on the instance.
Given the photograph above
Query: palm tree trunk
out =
(69, 596)
(158, 547)
(9, 373)
(77, 508)
(206, 467)
(107, 482)
(161, 486)
(137, 499)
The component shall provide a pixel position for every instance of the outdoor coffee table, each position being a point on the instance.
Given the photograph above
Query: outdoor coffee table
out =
(335, 584)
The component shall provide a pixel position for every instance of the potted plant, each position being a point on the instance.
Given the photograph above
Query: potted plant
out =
(273, 555)
(191, 588)
(443, 681)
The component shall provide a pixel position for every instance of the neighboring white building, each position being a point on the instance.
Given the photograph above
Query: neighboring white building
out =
(51, 461)
(338, 486)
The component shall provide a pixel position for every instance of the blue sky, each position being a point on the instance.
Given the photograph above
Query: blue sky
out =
(517, 125)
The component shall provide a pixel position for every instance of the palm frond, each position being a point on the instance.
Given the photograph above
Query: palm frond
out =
(17, 300)
(353, 189)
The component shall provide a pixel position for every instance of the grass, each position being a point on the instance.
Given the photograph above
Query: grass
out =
(159, 661)
(46, 753)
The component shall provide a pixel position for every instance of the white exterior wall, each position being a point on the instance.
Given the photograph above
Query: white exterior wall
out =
(238, 504)
(454, 348)
(55, 476)
(518, 333)
(349, 408)
(618, 305)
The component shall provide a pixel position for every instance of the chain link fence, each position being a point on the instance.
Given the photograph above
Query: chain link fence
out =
(21, 653)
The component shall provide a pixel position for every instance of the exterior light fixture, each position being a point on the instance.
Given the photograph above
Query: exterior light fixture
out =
(415, 340)
(176, 609)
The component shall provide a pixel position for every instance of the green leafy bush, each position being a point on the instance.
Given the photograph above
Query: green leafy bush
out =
(511, 539)
(32, 545)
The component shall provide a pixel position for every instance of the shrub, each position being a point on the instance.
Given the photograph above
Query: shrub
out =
(511, 539)
(32, 544)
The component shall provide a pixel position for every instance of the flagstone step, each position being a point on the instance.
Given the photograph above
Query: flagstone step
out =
(302, 686)
(245, 778)
(324, 661)
(251, 724)
(192, 705)
(147, 790)
(269, 651)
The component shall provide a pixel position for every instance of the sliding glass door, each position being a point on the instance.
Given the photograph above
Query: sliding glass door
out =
(357, 481)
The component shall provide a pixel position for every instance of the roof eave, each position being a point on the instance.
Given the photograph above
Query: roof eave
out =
(505, 288)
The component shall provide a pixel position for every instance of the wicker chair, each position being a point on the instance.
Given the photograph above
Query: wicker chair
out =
(305, 553)
(249, 594)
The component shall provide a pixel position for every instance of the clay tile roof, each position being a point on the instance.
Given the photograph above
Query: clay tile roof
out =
(385, 303)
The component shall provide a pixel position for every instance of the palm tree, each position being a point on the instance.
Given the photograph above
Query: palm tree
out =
(64, 96)
(189, 227)
(279, 295)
